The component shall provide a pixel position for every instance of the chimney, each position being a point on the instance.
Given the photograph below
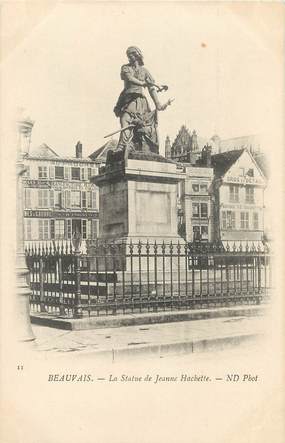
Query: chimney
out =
(206, 156)
(78, 150)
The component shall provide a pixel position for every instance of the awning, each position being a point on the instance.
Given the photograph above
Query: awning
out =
(243, 245)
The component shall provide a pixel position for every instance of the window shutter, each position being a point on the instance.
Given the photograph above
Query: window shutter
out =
(82, 174)
(88, 228)
(89, 199)
(34, 199)
(51, 172)
(84, 203)
(62, 199)
(27, 198)
(68, 229)
(52, 229)
(66, 173)
(41, 233)
(94, 228)
(67, 199)
(51, 198)
(39, 198)
(34, 229)
(94, 200)
(233, 220)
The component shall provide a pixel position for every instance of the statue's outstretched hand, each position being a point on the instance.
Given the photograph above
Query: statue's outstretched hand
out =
(164, 106)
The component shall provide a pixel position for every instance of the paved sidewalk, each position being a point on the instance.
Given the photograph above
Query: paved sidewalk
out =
(155, 339)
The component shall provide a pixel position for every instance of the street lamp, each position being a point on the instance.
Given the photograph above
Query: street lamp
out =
(23, 292)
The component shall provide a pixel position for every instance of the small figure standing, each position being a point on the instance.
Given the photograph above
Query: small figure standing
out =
(138, 122)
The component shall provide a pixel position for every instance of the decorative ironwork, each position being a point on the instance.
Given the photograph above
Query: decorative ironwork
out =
(143, 277)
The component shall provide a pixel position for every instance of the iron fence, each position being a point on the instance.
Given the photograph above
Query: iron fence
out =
(131, 278)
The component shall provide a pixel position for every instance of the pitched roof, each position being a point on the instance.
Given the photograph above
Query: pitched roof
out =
(102, 152)
(222, 162)
(245, 141)
(262, 163)
(43, 151)
(183, 137)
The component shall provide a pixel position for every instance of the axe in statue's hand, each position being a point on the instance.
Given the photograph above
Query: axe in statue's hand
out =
(158, 88)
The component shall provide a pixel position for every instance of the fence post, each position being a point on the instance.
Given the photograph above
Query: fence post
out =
(60, 282)
(76, 241)
(42, 295)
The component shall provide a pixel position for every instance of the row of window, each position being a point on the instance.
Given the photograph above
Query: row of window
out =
(62, 173)
(202, 188)
(200, 210)
(49, 229)
(200, 233)
(229, 220)
(235, 197)
(50, 198)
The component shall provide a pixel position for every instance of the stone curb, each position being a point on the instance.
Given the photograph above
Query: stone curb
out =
(146, 318)
(174, 348)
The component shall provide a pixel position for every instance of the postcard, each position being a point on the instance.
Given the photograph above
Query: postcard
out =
(142, 222)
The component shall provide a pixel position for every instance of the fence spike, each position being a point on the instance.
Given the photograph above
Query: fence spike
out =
(178, 248)
(147, 247)
(155, 247)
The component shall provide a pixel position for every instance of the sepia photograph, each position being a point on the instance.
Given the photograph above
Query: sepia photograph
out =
(142, 155)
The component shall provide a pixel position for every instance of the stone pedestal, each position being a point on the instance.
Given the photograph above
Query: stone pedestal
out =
(138, 203)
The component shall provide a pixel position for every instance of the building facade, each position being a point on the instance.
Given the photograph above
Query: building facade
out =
(222, 199)
(197, 204)
(238, 191)
(59, 199)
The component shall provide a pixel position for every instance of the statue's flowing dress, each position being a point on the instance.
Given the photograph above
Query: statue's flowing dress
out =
(133, 108)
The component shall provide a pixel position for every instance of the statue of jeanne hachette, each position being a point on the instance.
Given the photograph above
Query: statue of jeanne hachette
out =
(138, 122)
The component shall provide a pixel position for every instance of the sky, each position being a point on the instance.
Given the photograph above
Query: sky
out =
(220, 61)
